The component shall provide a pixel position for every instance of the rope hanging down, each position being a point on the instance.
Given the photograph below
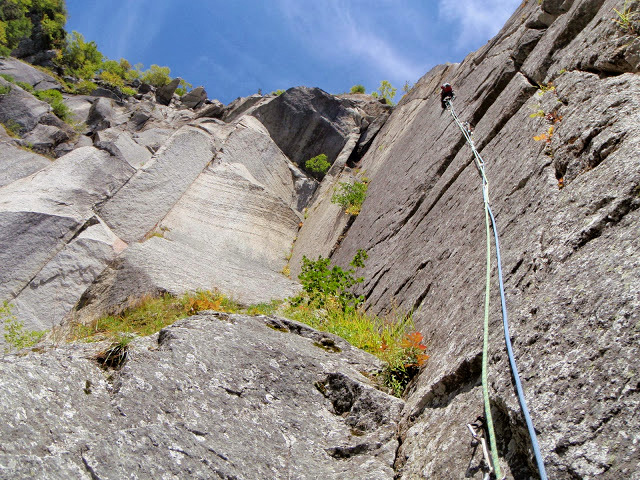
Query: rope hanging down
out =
(505, 321)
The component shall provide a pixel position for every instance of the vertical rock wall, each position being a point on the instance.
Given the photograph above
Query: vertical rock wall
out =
(567, 212)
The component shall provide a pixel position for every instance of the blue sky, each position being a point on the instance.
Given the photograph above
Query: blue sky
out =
(235, 47)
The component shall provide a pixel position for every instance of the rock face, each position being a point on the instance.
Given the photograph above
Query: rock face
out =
(213, 396)
(306, 122)
(220, 203)
(164, 95)
(20, 108)
(16, 163)
(567, 212)
(23, 72)
(195, 98)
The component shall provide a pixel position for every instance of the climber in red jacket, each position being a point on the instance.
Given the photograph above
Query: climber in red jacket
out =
(446, 93)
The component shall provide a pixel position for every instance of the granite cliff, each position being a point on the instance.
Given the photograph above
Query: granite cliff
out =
(154, 198)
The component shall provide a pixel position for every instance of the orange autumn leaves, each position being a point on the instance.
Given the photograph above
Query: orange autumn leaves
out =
(413, 348)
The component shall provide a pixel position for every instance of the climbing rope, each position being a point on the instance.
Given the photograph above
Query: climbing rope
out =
(479, 162)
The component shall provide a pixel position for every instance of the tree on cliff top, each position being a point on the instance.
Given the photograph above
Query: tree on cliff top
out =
(43, 19)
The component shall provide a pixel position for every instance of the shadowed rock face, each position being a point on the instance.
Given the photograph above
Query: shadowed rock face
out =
(213, 396)
(567, 213)
(306, 122)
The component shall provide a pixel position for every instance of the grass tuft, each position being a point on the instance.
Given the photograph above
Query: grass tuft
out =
(151, 314)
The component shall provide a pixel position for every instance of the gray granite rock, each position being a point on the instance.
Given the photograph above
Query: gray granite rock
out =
(23, 72)
(44, 138)
(55, 289)
(41, 213)
(241, 106)
(213, 396)
(157, 186)
(120, 144)
(568, 248)
(214, 109)
(100, 115)
(16, 163)
(21, 108)
(306, 122)
(195, 98)
(164, 95)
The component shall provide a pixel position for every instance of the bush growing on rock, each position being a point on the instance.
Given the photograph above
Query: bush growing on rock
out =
(80, 58)
(317, 166)
(18, 18)
(157, 76)
(15, 334)
(54, 98)
(322, 284)
(387, 91)
(358, 89)
(350, 196)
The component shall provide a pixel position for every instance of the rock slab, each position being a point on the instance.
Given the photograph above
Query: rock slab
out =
(213, 396)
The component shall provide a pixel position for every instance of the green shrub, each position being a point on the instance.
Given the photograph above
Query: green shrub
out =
(392, 339)
(25, 86)
(321, 284)
(15, 24)
(54, 98)
(80, 58)
(317, 166)
(112, 79)
(128, 91)
(7, 77)
(85, 87)
(350, 196)
(183, 86)
(157, 76)
(15, 335)
(386, 91)
(357, 89)
(4, 89)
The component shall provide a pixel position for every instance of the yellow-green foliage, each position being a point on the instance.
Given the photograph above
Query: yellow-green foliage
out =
(626, 18)
(387, 91)
(18, 18)
(391, 339)
(157, 76)
(350, 196)
(151, 314)
(54, 98)
(15, 335)
(183, 86)
(80, 58)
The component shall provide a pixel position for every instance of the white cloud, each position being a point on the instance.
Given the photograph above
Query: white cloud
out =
(346, 30)
(478, 19)
(138, 24)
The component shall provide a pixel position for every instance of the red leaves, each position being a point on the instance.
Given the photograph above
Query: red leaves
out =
(413, 340)
(413, 343)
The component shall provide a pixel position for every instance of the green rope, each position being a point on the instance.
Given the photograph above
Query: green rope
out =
(485, 346)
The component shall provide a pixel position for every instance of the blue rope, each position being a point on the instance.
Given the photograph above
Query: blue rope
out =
(505, 319)
(512, 360)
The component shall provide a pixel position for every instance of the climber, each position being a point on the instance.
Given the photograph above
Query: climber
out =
(446, 93)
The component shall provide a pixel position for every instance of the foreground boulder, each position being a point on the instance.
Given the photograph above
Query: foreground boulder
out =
(213, 396)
